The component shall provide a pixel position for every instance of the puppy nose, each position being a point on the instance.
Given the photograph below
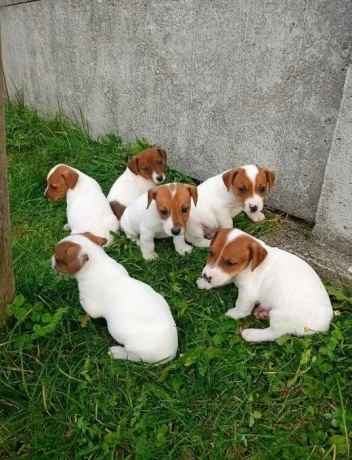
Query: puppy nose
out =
(253, 208)
(159, 178)
(207, 278)
(175, 231)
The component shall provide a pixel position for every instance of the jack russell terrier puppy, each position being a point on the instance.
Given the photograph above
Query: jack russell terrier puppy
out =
(137, 317)
(88, 210)
(222, 197)
(143, 172)
(281, 286)
(161, 212)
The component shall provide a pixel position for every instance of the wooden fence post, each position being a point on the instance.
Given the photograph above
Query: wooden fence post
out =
(7, 280)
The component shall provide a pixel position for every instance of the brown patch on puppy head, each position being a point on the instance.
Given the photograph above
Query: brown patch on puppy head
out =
(264, 181)
(234, 256)
(59, 181)
(117, 208)
(149, 163)
(68, 259)
(95, 239)
(174, 201)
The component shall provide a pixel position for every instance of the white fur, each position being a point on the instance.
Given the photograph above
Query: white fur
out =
(88, 209)
(129, 186)
(284, 285)
(138, 318)
(143, 225)
(216, 207)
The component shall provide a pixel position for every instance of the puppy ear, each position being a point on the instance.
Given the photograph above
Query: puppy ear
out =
(214, 237)
(229, 177)
(71, 177)
(133, 165)
(163, 154)
(193, 191)
(95, 239)
(257, 254)
(75, 261)
(270, 177)
(151, 195)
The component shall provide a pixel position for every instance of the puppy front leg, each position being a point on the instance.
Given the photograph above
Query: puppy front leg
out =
(225, 220)
(181, 246)
(244, 305)
(147, 246)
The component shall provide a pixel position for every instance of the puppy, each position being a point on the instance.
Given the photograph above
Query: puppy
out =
(285, 288)
(143, 172)
(88, 210)
(161, 212)
(138, 318)
(222, 197)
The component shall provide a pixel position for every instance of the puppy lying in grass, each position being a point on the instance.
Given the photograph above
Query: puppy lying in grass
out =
(281, 286)
(160, 213)
(88, 210)
(138, 318)
(143, 172)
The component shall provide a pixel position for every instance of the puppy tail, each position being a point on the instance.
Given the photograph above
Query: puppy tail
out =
(117, 208)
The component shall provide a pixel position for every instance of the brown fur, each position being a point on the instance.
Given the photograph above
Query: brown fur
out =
(117, 208)
(242, 186)
(177, 206)
(95, 239)
(61, 179)
(241, 251)
(147, 162)
(67, 258)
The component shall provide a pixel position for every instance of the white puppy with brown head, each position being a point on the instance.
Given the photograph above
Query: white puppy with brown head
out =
(160, 213)
(88, 210)
(222, 197)
(281, 286)
(143, 172)
(138, 318)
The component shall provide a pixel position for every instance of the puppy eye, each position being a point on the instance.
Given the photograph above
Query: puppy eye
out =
(184, 209)
(54, 187)
(164, 212)
(262, 188)
(242, 189)
(159, 163)
(230, 263)
(146, 169)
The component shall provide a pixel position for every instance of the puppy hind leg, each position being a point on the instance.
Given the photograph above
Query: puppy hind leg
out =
(119, 352)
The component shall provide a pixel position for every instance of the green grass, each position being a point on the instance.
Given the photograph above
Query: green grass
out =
(61, 396)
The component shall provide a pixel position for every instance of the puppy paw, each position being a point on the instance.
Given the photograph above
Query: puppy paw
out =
(152, 256)
(118, 352)
(233, 313)
(186, 249)
(66, 227)
(257, 216)
(202, 284)
(253, 335)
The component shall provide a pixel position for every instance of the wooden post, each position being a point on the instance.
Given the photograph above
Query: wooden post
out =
(7, 280)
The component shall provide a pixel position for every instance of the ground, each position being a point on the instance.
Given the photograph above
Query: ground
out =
(61, 395)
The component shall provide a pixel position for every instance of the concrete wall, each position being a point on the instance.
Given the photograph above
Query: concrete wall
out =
(334, 216)
(218, 83)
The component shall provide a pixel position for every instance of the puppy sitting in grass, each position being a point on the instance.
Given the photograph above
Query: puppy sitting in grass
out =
(138, 318)
(88, 210)
(280, 286)
(143, 172)
(160, 213)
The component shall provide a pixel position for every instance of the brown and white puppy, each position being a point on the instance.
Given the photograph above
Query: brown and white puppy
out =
(222, 197)
(282, 286)
(143, 172)
(88, 210)
(137, 317)
(161, 212)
